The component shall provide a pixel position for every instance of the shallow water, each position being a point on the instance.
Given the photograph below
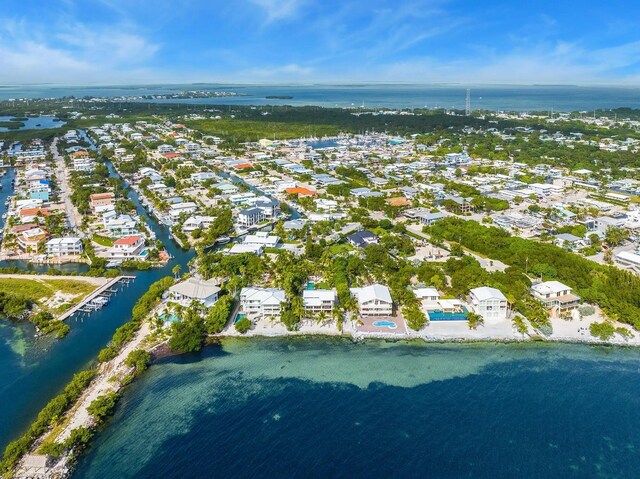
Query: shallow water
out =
(266, 408)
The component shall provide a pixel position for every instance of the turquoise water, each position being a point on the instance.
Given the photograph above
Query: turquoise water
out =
(330, 408)
(33, 370)
(385, 324)
(239, 317)
(490, 97)
(442, 316)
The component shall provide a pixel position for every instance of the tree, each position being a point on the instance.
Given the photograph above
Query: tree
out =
(616, 236)
(243, 325)
(187, 335)
(415, 317)
(218, 315)
(474, 320)
(138, 359)
(176, 270)
(103, 406)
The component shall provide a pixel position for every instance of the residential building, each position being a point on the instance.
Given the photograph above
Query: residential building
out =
(70, 246)
(262, 238)
(29, 240)
(554, 294)
(129, 247)
(317, 300)
(101, 199)
(361, 239)
(374, 300)
(263, 302)
(195, 289)
(250, 217)
(489, 303)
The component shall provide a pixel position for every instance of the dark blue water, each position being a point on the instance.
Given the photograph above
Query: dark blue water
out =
(33, 370)
(489, 97)
(331, 408)
(34, 123)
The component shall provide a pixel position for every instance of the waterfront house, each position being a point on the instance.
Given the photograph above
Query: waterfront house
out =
(195, 289)
(554, 294)
(129, 247)
(262, 238)
(317, 300)
(197, 222)
(489, 303)
(119, 225)
(29, 240)
(241, 248)
(250, 217)
(374, 300)
(69, 246)
(262, 302)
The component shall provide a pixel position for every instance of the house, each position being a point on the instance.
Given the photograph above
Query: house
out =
(129, 247)
(361, 239)
(429, 218)
(101, 199)
(250, 217)
(246, 248)
(462, 205)
(197, 223)
(29, 240)
(119, 225)
(262, 238)
(316, 300)
(374, 300)
(489, 303)
(262, 302)
(195, 289)
(554, 294)
(427, 294)
(70, 246)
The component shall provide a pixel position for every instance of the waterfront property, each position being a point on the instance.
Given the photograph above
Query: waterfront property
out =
(128, 247)
(373, 300)
(319, 300)
(68, 246)
(554, 294)
(262, 302)
(195, 289)
(489, 303)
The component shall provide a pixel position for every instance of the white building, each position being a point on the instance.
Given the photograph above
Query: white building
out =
(554, 294)
(241, 248)
(316, 300)
(129, 247)
(194, 289)
(263, 302)
(374, 300)
(250, 217)
(489, 303)
(197, 222)
(262, 238)
(64, 246)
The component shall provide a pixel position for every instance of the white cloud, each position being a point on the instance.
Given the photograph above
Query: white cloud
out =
(279, 9)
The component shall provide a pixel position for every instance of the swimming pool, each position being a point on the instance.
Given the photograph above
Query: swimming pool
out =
(239, 316)
(442, 316)
(385, 324)
(172, 318)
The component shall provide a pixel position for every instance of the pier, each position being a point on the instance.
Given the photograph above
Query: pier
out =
(96, 299)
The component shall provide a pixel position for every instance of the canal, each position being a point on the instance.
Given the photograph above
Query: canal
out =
(33, 370)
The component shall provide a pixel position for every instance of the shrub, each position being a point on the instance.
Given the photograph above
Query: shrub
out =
(243, 325)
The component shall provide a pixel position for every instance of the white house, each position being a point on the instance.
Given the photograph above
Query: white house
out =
(129, 247)
(316, 300)
(427, 294)
(197, 222)
(374, 300)
(194, 289)
(241, 248)
(262, 301)
(64, 246)
(554, 294)
(489, 303)
(262, 238)
(250, 217)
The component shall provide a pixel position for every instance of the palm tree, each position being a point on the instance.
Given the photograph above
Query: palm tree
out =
(176, 270)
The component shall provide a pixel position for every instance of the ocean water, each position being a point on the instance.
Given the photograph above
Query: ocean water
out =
(488, 97)
(329, 408)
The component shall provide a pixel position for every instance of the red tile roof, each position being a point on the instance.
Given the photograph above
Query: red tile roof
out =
(127, 240)
(301, 191)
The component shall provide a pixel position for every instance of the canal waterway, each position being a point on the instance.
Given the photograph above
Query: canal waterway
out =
(33, 370)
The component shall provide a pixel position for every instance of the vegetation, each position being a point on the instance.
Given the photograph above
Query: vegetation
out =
(243, 325)
(474, 320)
(103, 406)
(49, 416)
(218, 315)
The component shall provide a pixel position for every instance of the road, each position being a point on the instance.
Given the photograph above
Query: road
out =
(73, 218)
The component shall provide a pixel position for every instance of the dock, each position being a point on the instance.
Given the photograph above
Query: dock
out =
(92, 300)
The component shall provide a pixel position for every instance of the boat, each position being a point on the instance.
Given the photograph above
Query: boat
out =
(222, 240)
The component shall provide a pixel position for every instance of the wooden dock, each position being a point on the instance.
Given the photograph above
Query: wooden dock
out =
(105, 289)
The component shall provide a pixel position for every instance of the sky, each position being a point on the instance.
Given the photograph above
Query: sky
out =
(78, 42)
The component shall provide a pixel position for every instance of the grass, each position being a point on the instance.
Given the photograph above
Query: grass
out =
(39, 291)
(340, 248)
(248, 130)
(102, 240)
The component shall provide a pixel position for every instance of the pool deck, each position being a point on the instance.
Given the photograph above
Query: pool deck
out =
(367, 325)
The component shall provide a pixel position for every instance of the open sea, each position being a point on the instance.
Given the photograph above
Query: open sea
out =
(487, 97)
(331, 408)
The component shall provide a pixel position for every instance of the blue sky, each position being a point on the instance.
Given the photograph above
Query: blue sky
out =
(302, 41)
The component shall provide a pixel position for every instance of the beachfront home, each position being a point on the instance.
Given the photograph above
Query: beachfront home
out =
(374, 300)
(70, 246)
(195, 289)
(554, 294)
(317, 300)
(264, 302)
(129, 247)
(489, 303)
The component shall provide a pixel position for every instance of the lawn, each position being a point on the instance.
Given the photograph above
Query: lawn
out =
(102, 240)
(249, 130)
(40, 291)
